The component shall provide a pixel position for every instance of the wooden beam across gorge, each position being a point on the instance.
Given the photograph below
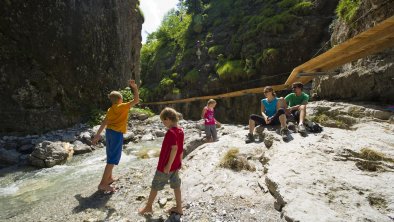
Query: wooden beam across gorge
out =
(375, 39)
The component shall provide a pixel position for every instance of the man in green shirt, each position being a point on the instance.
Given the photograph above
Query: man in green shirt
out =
(296, 102)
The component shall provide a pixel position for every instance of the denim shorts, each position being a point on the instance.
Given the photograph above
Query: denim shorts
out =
(161, 179)
(114, 143)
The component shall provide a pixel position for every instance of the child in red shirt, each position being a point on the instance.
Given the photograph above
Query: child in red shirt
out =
(170, 161)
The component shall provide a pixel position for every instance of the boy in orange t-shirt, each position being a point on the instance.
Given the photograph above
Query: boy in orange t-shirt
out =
(116, 123)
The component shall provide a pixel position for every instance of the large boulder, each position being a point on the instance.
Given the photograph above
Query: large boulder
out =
(58, 59)
(49, 154)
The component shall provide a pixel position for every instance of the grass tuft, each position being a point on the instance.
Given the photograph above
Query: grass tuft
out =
(232, 160)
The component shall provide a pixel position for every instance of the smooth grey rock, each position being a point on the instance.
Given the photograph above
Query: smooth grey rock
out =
(81, 148)
(383, 115)
(148, 137)
(160, 133)
(128, 136)
(48, 154)
(191, 143)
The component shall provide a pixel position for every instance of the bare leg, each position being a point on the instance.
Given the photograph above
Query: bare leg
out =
(104, 184)
(148, 206)
(252, 125)
(282, 120)
(302, 114)
(178, 199)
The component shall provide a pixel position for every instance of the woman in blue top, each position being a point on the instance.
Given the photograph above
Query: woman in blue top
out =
(271, 114)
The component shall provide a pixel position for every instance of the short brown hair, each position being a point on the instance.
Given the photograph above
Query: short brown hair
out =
(171, 114)
(298, 85)
(270, 89)
(211, 101)
(115, 96)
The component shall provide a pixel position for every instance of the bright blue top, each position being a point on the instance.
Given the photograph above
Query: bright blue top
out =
(270, 107)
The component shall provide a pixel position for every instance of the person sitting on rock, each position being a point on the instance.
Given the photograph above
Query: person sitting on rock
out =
(170, 161)
(296, 105)
(210, 121)
(271, 114)
(116, 123)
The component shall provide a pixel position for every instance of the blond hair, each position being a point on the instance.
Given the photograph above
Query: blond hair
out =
(211, 101)
(115, 96)
(171, 114)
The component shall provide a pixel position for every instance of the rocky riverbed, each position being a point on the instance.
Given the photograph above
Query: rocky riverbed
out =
(345, 173)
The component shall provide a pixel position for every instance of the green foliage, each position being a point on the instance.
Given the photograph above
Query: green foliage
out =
(216, 50)
(302, 8)
(145, 93)
(127, 94)
(231, 70)
(137, 111)
(166, 83)
(346, 9)
(96, 117)
(267, 56)
(192, 76)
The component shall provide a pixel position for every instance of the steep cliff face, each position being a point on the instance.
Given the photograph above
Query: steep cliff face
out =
(370, 78)
(59, 59)
(242, 44)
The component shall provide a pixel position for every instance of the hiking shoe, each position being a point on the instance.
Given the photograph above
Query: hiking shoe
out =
(249, 138)
(284, 133)
(301, 128)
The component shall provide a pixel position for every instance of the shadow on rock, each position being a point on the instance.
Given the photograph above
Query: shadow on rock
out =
(174, 217)
(95, 201)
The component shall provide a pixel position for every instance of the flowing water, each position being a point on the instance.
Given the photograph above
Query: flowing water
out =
(22, 187)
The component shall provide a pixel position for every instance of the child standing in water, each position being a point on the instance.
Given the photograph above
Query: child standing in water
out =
(116, 123)
(210, 121)
(170, 161)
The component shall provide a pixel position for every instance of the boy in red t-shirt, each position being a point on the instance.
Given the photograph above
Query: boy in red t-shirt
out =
(170, 161)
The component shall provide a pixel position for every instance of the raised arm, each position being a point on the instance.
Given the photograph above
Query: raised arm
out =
(134, 88)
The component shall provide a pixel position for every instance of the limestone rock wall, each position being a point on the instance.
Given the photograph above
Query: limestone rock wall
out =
(59, 59)
(370, 78)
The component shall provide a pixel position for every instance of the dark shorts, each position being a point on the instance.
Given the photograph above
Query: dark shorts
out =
(259, 120)
(296, 115)
(114, 143)
(161, 179)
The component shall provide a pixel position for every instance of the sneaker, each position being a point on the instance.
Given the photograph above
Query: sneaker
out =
(284, 133)
(249, 138)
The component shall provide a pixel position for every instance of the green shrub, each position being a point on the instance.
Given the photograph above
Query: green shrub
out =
(147, 111)
(231, 70)
(216, 50)
(302, 8)
(267, 56)
(96, 117)
(176, 91)
(346, 9)
(192, 76)
(166, 83)
(127, 94)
